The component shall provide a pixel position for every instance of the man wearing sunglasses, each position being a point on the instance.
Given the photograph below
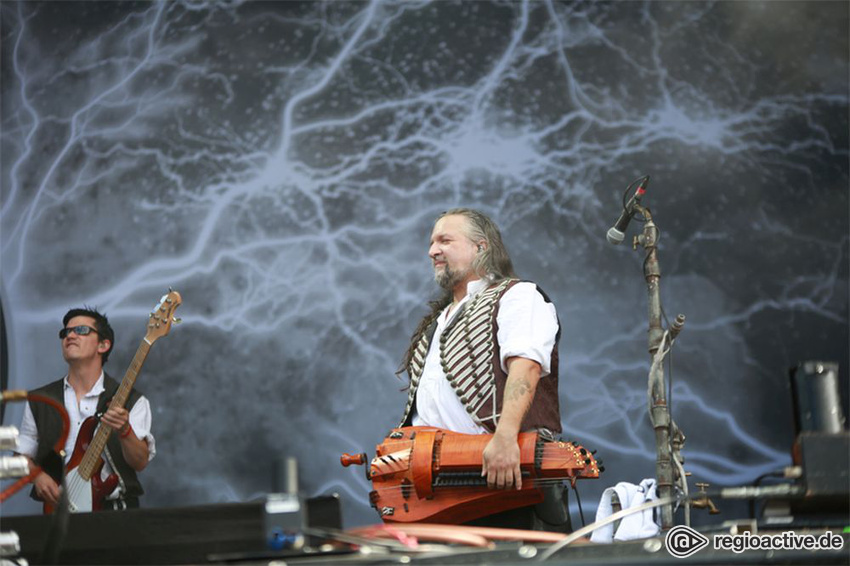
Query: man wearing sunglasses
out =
(87, 340)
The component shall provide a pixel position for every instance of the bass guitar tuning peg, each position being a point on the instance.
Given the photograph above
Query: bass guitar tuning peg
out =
(177, 320)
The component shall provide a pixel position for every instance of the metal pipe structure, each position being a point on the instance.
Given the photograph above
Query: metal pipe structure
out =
(659, 413)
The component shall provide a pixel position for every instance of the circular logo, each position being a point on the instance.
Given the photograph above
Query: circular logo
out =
(682, 541)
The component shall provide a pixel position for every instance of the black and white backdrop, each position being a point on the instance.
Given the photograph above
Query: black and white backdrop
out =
(280, 164)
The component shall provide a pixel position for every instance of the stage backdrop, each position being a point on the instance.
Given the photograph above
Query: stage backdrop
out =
(281, 164)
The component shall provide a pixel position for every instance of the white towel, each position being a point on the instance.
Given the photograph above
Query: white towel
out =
(634, 526)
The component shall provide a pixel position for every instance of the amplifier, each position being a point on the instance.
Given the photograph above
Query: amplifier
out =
(177, 535)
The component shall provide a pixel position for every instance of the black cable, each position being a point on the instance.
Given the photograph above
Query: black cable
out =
(626, 192)
(752, 502)
(670, 371)
(4, 360)
(58, 529)
(774, 474)
(578, 500)
(646, 258)
(664, 315)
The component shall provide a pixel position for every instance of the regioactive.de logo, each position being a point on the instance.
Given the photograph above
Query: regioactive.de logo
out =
(682, 541)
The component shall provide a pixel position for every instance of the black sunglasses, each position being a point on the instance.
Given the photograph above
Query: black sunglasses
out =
(78, 330)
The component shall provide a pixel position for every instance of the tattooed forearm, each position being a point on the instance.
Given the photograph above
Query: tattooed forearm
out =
(523, 377)
(517, 389)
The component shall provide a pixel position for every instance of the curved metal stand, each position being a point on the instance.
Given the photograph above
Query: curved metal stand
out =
(668, 438)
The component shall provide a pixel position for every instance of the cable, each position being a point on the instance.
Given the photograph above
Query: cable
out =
(684, 479)
(16, 487)
(649, 249)
(20, 395)
(58, 529)
(59, 526)
(578, 501)
(657, 359)
(780, 474)
(626, 193)
(669, 372)
(607, 520)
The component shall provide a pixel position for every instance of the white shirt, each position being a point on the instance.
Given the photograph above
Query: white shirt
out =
(528, 326)
(140, 420)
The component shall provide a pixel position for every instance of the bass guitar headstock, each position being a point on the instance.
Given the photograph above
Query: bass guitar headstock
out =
(160, 320)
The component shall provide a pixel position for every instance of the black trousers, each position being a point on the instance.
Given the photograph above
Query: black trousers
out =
(121, 504)
(552, 514)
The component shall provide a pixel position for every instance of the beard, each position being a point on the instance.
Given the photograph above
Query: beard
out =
(448, 277)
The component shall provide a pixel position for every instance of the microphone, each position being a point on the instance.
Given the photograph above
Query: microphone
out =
(617, 233)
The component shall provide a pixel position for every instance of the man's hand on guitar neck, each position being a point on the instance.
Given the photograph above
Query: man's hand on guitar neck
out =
(116, 418)
(134, 449)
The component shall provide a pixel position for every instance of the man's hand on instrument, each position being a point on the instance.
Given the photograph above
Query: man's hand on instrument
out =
(47, 489)
(501, 457)
(117, 418)
(501, 462)
(134, 449)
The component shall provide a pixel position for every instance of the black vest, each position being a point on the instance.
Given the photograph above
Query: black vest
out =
(49, 425)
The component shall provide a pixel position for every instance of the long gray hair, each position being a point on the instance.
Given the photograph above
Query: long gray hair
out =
(492, 262)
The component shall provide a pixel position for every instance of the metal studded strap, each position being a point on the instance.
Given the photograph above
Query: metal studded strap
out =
(417, 365)
(466, 354)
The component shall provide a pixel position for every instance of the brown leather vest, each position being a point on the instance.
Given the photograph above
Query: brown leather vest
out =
(470, 357)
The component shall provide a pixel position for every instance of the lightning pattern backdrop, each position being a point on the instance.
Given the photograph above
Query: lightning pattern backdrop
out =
(281, 164)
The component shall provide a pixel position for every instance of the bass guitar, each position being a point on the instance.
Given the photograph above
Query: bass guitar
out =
(431, 475)
(86, 489)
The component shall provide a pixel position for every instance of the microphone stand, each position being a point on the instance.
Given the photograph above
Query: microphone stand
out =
(668, 438)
